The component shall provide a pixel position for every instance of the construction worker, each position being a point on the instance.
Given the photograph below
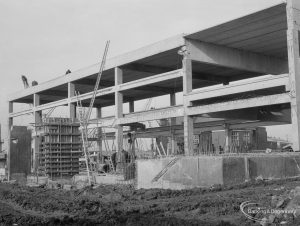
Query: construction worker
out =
(114, 159)
(122, 158)
(25, 82)
(131, 142)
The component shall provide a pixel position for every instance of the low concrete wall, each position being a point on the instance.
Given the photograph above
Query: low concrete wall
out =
(271, 167)
(147, 170)
(187, 172)
(204, 171)
(234, 171)
(99, 179)
(108, 179)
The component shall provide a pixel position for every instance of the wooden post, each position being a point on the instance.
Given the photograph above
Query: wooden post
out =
(99, 141)
(247, 173)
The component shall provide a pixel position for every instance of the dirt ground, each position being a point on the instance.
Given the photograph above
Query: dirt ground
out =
(122, 205)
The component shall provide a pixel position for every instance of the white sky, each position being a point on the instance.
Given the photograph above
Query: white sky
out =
(42, 39)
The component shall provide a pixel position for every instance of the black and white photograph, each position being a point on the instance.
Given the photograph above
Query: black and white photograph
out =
(150, 112)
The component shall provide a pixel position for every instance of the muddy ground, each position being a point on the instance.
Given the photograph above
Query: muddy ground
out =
(122, 205)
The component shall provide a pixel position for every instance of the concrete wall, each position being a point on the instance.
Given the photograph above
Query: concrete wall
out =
(270, 167)
(187, 172)
(204, 171)
(233, 170)
(20, 151)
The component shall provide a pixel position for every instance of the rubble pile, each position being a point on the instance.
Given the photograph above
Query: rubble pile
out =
(285, 209)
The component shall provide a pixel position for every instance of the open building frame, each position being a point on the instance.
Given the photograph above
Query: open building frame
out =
(241, 74)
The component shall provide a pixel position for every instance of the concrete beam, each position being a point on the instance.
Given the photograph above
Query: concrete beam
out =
(151, 80)
(146, 68)
(263, 82)
(201, 127)
(103, 92)
(153, 114)
(147, 51)
(211, 78)
(20, 113)
(240, 104)
(142, 116)
(63, 102)
(92, 82)
(56, 93)
(235, 58)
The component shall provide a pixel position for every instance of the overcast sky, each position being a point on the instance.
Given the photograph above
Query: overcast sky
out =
(41, 39)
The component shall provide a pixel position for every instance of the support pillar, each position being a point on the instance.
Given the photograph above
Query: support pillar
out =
(99, 141)
(119, 109)
(71, 106)
(293, 39)
(173, 123)
(36, 138)
(9, 128)
(187, 88)
(228, 139)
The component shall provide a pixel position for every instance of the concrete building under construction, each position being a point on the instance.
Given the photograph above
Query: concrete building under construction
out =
(239, 75)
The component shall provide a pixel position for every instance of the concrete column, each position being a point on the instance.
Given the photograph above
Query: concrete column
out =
(71, 106)
(188, 126)
(119, 108)
(293, 20)
(188, 120)
(9, 127)
(99, 132)
(173, 123)
(228, 139)
(131, 106)
(36, 139)
(187, 75)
